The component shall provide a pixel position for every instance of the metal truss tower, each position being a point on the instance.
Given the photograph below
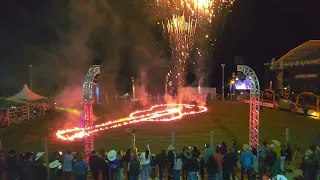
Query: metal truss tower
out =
(254, 104)
(88, 99)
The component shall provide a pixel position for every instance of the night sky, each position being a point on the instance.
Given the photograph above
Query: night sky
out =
(60, 39)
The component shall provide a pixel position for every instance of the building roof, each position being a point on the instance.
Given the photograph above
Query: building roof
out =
(26, 94)
(308, 51)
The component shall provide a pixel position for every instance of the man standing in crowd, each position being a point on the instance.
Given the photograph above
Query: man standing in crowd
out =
(28, 167)
(246, 161)
(134, 168)
(94, 164)
(171, 160)
(271, 158)
(41, 167)
(262, 155)
(229, 163)
(162, 159)
(67, 165)
(81, 168)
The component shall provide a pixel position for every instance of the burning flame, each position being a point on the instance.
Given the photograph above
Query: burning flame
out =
(157, 113)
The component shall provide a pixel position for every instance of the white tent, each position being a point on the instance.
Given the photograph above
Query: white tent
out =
(26, 94)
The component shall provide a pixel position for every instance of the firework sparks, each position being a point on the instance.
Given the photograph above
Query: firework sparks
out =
(202, 10)
(181, 37)
(157, 113)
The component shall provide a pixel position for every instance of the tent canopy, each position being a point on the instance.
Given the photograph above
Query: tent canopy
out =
(26, 94)
(309, 50)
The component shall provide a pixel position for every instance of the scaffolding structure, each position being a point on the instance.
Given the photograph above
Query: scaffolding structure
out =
(254, 104)
(88, 99)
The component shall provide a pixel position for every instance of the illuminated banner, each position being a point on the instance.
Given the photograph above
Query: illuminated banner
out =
(306, 76)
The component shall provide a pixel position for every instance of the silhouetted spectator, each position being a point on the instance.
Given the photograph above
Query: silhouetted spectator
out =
(162, 161)
(12, 167)
(28, 167)
(212, 168)
(81, 168)
(120, 158)
(171, 160)
(229, 163)
(41, 167)
(134, 168)
(67, 165)
(94, 164)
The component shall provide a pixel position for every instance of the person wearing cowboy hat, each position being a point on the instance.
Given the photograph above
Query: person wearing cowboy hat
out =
(55, 170)
(41, 167)
(246, 161)
(113, 164)
(171, 160)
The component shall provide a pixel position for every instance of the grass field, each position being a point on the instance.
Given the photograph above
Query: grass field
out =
(229, 121)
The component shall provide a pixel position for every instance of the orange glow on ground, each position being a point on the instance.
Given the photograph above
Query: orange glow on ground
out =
(157, 113)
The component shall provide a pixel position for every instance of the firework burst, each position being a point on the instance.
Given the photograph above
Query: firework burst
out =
(202, 10)
(180, 33)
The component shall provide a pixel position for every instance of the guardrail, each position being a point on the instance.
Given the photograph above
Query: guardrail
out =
(19, 114)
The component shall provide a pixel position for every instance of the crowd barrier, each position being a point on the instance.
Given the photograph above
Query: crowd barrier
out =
(19, 114)
(267, 99)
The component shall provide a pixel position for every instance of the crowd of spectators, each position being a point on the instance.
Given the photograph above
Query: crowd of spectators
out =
(189, 164)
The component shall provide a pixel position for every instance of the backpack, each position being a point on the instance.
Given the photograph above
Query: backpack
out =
(178, 164)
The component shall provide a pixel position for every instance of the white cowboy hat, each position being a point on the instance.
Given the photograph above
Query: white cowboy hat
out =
(54, 164)
(171, 147)
(112, 155)
(272, 146)
(246, 147)
(39, 155)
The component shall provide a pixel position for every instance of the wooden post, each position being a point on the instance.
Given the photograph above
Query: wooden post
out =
(288, 135)
(133, 140)
(0, 145)
(125, 99)
(173, 138)
(212, 139)
(158, 97)
(106, 98)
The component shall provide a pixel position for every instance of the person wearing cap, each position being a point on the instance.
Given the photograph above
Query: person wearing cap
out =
(28, 167)
(113, 164)
(271, 159)
(41, 167)
(246, 161)
(55, 171)
(81, 168)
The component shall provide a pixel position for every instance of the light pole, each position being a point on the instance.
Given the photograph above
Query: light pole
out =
(30, 75)
(133, 89)
(222, 81)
